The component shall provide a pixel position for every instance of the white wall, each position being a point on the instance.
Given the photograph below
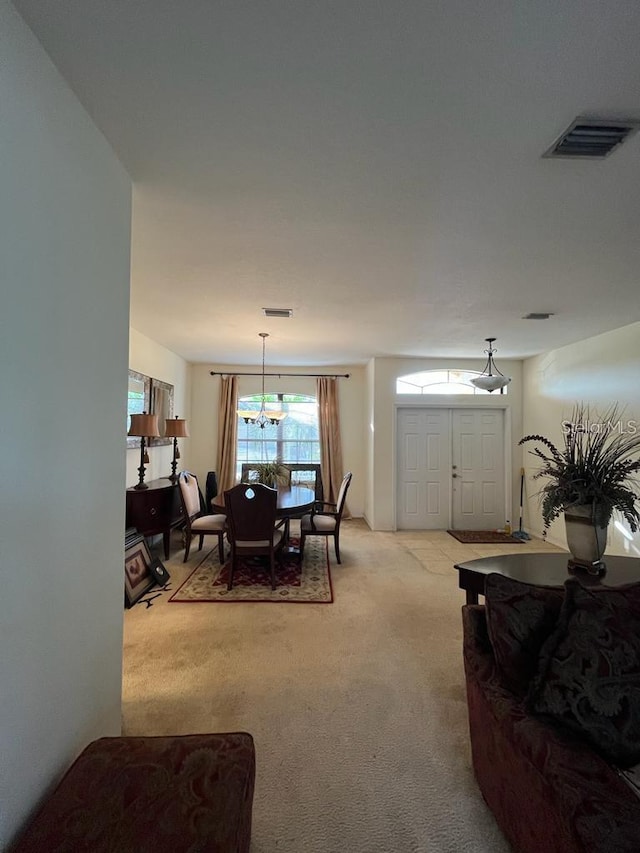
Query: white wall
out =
(386, 401)
(152, 359)
(599, 371)
(204, 415)
(64, 245)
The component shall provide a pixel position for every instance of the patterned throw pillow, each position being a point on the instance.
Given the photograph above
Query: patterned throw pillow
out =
(589, 673)
(520, 618)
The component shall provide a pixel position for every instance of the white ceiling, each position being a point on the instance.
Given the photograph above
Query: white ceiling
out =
(376, 166)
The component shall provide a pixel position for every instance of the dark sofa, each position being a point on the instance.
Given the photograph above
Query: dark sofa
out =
(547, 787)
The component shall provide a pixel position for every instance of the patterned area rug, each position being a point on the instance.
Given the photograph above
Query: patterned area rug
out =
(482, 537)
(309, 583)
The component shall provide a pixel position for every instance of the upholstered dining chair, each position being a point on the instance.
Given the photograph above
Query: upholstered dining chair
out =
(252, 527)
(324, 519)
(196, 522)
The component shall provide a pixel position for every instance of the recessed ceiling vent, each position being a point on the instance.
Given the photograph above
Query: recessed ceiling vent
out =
(277, 312)
(591, 138)
(537, 315)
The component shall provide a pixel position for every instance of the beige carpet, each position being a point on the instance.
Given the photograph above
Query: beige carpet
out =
(358, 709)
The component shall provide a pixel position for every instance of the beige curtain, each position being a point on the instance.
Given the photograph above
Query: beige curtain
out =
(227, 433)
(330, 444)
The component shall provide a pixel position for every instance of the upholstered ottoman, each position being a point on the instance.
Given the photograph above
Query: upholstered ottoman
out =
(156, 794)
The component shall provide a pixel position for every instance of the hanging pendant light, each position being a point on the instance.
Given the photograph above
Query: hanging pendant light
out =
(264, 417)
(491, 378)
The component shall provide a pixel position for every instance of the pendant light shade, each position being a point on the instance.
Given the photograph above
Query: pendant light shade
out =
(491, 379)
(265, 416)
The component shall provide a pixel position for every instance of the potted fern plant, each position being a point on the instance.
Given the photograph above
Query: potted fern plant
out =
(588, 478)
(271, 474)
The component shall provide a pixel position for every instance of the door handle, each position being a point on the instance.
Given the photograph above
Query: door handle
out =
(454, 476)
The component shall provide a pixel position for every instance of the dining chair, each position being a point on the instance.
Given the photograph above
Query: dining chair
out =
(196, 522)
(307, 474)
(325, 517)
(252, 529)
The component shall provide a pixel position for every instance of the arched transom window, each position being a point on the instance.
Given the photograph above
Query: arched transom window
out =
(440, 382)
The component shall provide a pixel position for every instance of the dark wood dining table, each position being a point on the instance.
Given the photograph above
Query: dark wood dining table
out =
(293, 501)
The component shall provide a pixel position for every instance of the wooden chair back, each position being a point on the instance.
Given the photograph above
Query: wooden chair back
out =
(301, 474)
(342, 494)
(251, 512)
(307, 474)
(190, 495)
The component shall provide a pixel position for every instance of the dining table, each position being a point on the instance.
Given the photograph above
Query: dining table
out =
(293, 501)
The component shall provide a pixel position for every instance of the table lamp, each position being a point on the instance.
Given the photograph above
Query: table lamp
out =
(144, 426)
(175, 428)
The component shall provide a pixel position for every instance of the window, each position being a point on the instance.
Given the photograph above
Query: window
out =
(440, 382)
(295, 439)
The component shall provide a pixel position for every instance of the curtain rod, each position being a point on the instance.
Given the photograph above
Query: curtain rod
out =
(312, 375)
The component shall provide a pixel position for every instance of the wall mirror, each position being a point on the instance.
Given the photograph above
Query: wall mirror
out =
(162, 406)
(138, 401)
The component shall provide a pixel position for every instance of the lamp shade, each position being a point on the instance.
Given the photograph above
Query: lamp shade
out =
(176, 428)
(491, 378)
(144, 425)
(261, 418)
(490, 383)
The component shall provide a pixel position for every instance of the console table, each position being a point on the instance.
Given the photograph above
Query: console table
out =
(542, 570)
(155, 510)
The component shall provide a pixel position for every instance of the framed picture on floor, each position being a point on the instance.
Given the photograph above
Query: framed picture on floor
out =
(138, 578)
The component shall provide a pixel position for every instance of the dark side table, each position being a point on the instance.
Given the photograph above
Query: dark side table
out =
(155, 510)
(542, 570)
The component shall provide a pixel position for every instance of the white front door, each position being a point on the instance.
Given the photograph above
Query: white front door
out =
(478, 469)
(450, 469)
(424, 469)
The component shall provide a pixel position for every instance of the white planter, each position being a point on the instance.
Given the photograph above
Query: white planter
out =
(586, 541)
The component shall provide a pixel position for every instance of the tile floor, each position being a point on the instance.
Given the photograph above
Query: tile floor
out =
(437, 549)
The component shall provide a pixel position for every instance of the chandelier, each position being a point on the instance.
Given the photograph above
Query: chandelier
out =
(262, 418)
(490, 379)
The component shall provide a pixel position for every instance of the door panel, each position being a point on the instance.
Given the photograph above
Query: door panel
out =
(478, 459)
(434, 499)
(423, 466)
(450, 465)
(489, 498)
(466, 496)
(411, 499)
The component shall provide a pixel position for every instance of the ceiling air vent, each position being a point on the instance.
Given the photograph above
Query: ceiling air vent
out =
(538, 315)
(277, 312)
(591, 138)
